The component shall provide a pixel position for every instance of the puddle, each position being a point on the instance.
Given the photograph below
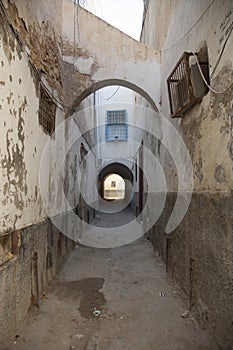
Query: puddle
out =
(86, 291)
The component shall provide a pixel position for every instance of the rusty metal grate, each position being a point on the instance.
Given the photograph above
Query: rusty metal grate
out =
(47, 112)
(180, 89)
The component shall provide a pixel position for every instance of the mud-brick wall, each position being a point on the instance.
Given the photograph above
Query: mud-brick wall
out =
(41, 248)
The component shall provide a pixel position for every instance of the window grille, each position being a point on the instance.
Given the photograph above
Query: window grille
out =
(185, 86)
(116, 125)
(179, 86)
(47, 112)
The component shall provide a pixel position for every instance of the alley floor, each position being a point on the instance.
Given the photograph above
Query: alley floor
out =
(140, 308)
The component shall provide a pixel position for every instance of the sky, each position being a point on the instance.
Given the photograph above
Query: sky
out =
(125, 15)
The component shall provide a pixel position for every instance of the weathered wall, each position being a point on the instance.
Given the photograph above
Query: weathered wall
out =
(29, 51)
(40, 251)
(89, 58)
(199, 252)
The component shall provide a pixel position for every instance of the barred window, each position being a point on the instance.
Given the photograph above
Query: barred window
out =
(116, 125)
(47, 112)
(185, 84)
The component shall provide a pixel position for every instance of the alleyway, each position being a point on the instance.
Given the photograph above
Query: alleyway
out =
(115, 225)
(124, 284)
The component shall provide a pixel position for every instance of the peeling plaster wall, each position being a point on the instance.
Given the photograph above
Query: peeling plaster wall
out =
(23, 139)
(24, 221)
(38, 25)
(199, 252)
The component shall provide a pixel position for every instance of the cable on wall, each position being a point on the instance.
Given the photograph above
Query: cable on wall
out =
(204, 79)
(223, 48)
(115, 92)
(191, 28)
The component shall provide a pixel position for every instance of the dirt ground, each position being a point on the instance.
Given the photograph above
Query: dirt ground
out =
(140, 309)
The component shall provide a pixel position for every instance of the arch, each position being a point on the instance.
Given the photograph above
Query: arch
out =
(121, 170)
(110, 82)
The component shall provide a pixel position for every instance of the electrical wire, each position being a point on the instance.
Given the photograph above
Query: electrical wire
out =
(204, 79)
(74, 40)
(223, 48)
(191, 28)
(115, 92)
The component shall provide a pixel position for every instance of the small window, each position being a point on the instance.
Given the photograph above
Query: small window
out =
(113, 184)
(116, 125)
(185, 84)
(47, 112)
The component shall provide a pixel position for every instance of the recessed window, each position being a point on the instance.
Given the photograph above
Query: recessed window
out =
(185, 83)
(116, 126)
(47, 112)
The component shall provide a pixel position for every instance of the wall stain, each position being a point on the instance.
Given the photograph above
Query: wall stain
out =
(198, 169)
(14, 164)
(219, 174)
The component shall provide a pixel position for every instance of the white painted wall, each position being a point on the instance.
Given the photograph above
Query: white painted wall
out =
(125, 59)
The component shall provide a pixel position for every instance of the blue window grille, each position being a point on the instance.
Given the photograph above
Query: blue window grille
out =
(116, 125)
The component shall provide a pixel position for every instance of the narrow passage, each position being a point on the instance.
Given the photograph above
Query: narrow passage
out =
(137, 306)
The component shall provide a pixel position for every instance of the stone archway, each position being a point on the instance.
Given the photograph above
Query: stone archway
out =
(119, 169)
(111, 82)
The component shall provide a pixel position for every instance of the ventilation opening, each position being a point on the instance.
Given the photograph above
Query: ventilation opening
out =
(114, 187)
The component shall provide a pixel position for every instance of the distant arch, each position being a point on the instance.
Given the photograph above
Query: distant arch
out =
(110, 82)
(121, 170)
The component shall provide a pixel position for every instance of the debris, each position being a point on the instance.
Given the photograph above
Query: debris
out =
(96, 312)
(162, 294)
(185, 314)
(79, 335)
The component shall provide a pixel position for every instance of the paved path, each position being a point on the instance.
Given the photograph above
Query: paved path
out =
(125, 284)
